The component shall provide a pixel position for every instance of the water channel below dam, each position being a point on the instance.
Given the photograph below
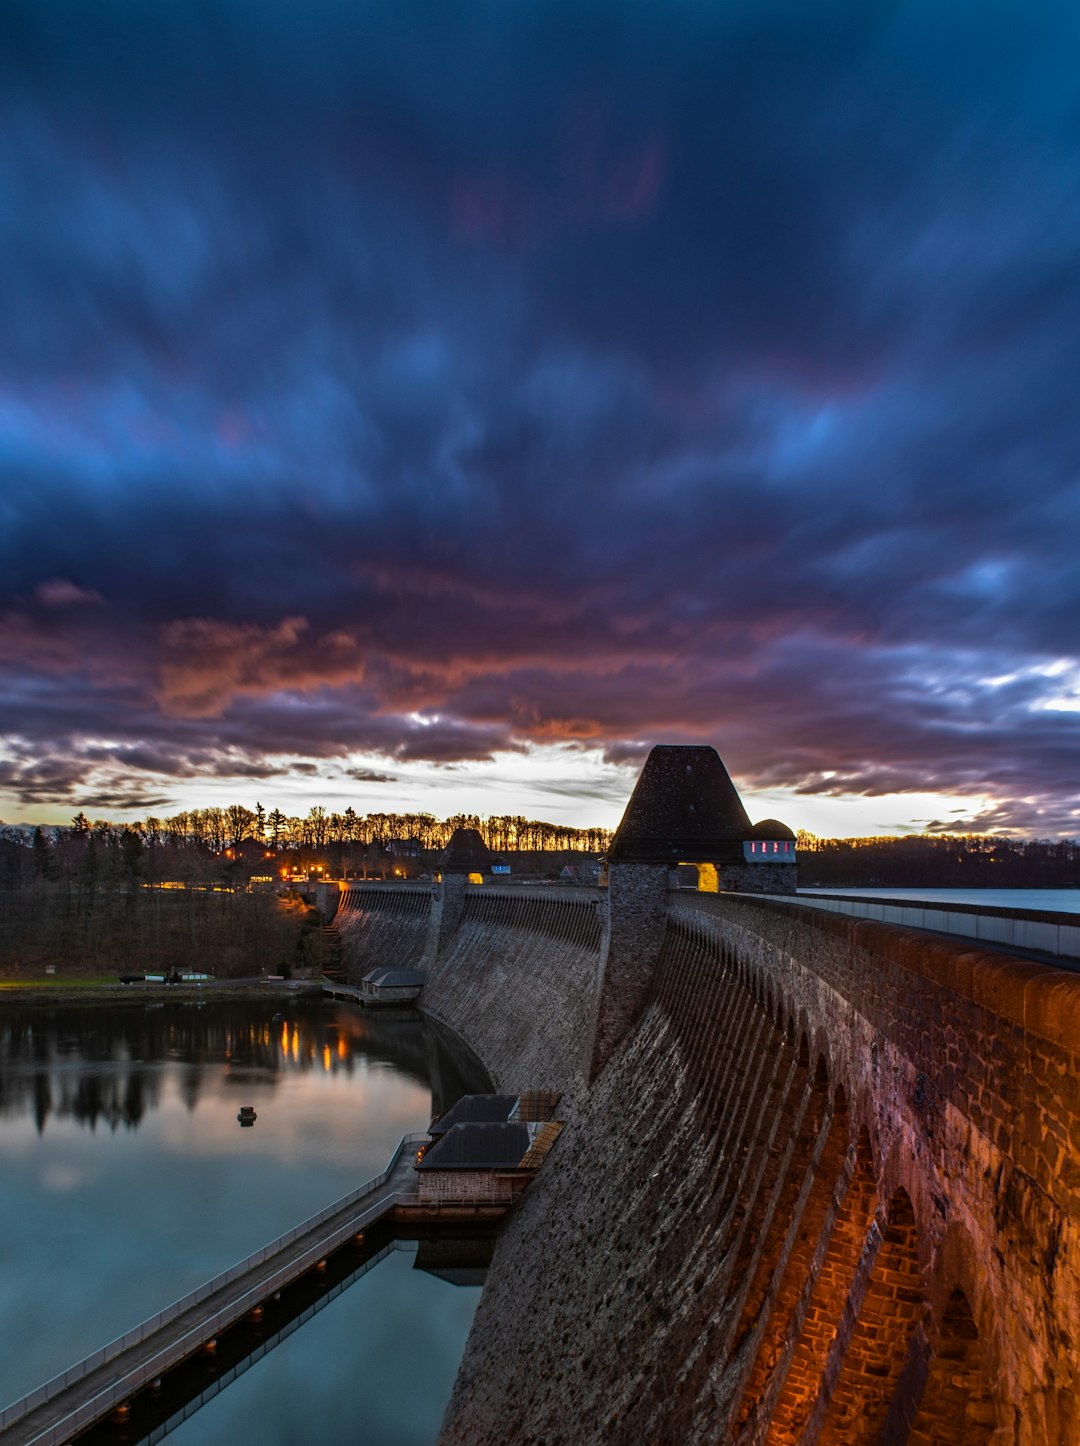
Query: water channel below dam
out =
(128, 1181)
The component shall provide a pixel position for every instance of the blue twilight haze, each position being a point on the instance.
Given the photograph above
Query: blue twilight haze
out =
(392, 393)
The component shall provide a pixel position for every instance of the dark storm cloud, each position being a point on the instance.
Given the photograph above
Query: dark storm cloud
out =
(431, 381)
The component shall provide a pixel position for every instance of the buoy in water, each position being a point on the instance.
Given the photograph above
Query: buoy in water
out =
(247, 1115)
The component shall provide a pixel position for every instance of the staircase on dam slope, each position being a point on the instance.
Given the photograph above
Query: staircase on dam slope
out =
(333, 964)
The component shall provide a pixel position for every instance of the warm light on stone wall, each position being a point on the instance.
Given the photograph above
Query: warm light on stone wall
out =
(708, 880)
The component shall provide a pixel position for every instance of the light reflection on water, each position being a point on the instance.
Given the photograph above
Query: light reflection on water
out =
(127, 1179)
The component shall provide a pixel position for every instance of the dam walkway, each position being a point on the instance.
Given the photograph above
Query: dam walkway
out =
(1043, 935)
(103, 1382)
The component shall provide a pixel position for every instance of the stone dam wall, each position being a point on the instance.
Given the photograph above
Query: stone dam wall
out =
(518, 983)
(826, 1189)
(383, 924)
(516, 980)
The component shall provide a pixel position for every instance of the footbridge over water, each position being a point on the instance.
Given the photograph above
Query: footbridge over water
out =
(187, 1351)
(820, 1178)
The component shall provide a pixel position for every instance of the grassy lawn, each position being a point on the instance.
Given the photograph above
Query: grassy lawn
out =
(53, 981)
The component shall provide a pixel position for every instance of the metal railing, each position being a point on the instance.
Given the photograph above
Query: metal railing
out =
(536, 889)
(265, 1346)
(45, 1393)
(118, 1391)
(1042, 930)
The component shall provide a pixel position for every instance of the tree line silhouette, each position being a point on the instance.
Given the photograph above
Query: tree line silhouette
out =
(217, 829)
(941, 861)
(228, 845)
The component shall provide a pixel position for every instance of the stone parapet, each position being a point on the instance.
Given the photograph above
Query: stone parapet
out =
(825, 1190)
(758, 878)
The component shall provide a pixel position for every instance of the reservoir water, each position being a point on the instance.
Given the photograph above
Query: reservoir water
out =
(127, 1181)
(1056, 901)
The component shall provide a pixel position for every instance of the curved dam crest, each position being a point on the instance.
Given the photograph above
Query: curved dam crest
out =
(824, 1185)
(547, 939)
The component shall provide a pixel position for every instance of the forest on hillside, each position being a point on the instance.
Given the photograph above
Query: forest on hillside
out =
(104, 933)
(102, 899)
(217, 829)
(201, 889)
(228, 845)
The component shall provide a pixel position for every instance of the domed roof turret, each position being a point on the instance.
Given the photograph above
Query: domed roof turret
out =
(771, 828)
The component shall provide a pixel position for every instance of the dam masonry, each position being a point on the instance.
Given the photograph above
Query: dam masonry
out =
(819, 1177)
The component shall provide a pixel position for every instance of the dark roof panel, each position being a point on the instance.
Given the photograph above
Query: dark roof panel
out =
(478, 1147)
(684, 808)
(398, 978)
(475, 1109)
(466, 853)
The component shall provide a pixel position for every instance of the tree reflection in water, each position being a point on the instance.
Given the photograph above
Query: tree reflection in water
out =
(106, 1064)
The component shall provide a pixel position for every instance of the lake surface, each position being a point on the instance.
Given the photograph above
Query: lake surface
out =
(1054, 901)
(127, 1181)
(374, 1368)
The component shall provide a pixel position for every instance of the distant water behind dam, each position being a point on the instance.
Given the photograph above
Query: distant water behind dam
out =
(1054, 901)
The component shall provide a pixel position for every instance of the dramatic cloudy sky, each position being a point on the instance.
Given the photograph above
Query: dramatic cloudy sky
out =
(433, 402)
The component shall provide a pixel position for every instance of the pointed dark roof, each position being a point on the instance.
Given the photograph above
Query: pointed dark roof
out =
(684, 808)
(771, 828)
(466, 853)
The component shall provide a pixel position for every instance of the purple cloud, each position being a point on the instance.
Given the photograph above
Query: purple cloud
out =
(647, 381)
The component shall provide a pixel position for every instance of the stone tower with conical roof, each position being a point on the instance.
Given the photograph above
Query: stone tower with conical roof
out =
(684, 810)
(466, 854)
